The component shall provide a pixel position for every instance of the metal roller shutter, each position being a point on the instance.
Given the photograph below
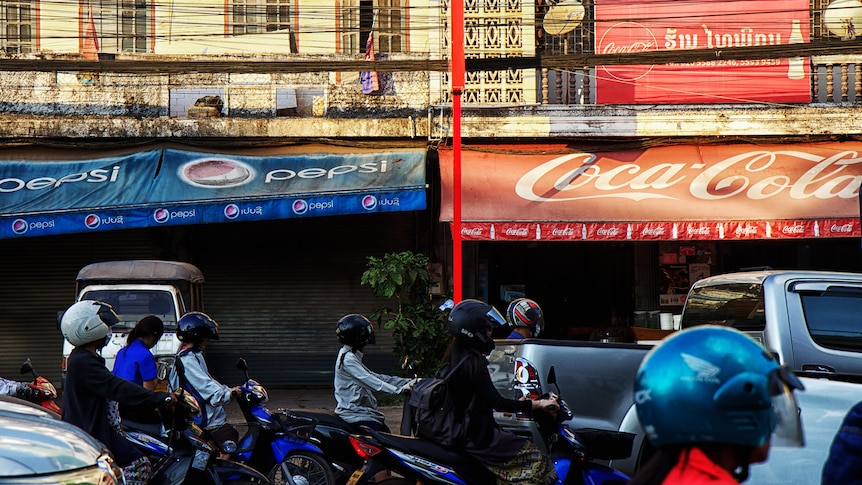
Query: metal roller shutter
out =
(277, 289)
(38, 281)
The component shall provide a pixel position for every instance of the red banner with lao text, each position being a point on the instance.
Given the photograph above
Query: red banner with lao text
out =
(627, 26)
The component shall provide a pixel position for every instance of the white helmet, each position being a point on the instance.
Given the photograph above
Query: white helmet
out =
(87, 321)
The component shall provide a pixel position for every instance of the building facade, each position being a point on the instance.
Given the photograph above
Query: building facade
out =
(600, 190)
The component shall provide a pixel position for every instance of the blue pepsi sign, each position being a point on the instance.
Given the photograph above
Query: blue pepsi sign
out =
(166, 186)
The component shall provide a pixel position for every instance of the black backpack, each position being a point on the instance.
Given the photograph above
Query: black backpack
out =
(429, 411)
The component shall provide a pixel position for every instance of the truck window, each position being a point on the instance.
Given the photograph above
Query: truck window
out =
(834, 318)
(132, 305)
(738, 305)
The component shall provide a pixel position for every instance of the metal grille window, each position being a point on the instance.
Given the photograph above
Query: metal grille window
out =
(18, 26)
(383, 17)
(122, 25)
(256, 16)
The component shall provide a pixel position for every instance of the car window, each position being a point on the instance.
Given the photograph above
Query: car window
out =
(132, 305)
(834, 317)
(738, 305)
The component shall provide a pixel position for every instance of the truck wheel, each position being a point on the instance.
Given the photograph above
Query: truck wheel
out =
(305, 468)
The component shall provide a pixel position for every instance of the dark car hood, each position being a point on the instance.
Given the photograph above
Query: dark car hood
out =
(33, 441)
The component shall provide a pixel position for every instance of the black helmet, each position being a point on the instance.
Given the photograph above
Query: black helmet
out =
(470, 321)
(354, 330)
(194, 327)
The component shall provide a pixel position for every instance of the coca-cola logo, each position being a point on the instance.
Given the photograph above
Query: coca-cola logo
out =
(653, 231)
(563, 232)
(627, 38)
(608, 231)
(746, 176)
(472, 231)
(794, 229)
(516, 232)
(746, 231)
(844, 228)
(697, 231)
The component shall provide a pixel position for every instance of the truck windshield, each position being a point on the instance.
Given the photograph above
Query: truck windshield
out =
(737, 305)
(833, 317)
(132, 305)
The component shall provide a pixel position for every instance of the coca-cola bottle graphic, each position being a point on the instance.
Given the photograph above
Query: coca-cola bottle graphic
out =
(796, 70)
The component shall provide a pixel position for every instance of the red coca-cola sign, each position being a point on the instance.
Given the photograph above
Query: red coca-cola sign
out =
(630, 26)
(677, 183)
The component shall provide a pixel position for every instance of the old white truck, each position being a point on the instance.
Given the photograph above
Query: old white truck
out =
(136, 288)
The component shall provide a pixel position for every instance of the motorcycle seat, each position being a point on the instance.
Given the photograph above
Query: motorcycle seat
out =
(323, 416)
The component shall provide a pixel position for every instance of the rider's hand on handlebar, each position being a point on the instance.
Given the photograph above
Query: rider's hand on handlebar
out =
(550, 405)
(236, 391)
(171, 401)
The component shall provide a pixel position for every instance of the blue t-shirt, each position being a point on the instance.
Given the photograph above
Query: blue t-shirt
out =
(515, 336)
(135, 363)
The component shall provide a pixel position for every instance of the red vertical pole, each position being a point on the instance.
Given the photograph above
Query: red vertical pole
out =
(456, 68)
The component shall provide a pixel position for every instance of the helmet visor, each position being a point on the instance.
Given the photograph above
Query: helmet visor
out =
(495, 317)
(788, 420)
(107, 314)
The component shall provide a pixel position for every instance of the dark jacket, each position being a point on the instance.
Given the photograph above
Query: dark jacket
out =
(844, 464)
(471, 382)
(88, 387)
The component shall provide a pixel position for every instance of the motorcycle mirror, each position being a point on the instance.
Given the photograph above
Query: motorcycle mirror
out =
(242, 365)
(26, 367)
(552, 379)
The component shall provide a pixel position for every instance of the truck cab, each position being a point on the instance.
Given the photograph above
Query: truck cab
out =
(809, 319)
(137, 288)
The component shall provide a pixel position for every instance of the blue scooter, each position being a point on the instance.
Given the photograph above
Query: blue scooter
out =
(278, 444)
(189, 455)
(419, 460)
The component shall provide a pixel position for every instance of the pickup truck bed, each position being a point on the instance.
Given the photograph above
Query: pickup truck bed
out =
(596, 379)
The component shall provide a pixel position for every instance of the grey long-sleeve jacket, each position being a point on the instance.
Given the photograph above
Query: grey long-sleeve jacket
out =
(354, 383)
(213, 393)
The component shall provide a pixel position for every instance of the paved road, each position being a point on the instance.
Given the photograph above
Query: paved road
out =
(308, 398)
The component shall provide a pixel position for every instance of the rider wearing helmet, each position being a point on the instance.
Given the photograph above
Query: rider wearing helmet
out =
(90, 388)
(525, 317)
(190, 372)
(509, 456)
(711, 401)
(354, 382)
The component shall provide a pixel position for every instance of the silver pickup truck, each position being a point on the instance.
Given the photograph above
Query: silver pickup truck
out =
(811, 319)
(597, 380)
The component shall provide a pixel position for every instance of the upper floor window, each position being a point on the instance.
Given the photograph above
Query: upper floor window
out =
(18, 25)
(255, 16)
(361, 17)
(123, 25)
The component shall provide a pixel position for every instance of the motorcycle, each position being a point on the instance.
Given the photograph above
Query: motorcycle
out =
(43, 392)
(190, 455)
(418, 460)
(279, 444)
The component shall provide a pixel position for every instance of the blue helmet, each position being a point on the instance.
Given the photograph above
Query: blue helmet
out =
(715, 384)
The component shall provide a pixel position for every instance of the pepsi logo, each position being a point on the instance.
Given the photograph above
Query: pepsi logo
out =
(92, 221)
(231, 211)
(369, 202)
(216, 173)
(19, 226)
(161, 215)
(300, 206)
